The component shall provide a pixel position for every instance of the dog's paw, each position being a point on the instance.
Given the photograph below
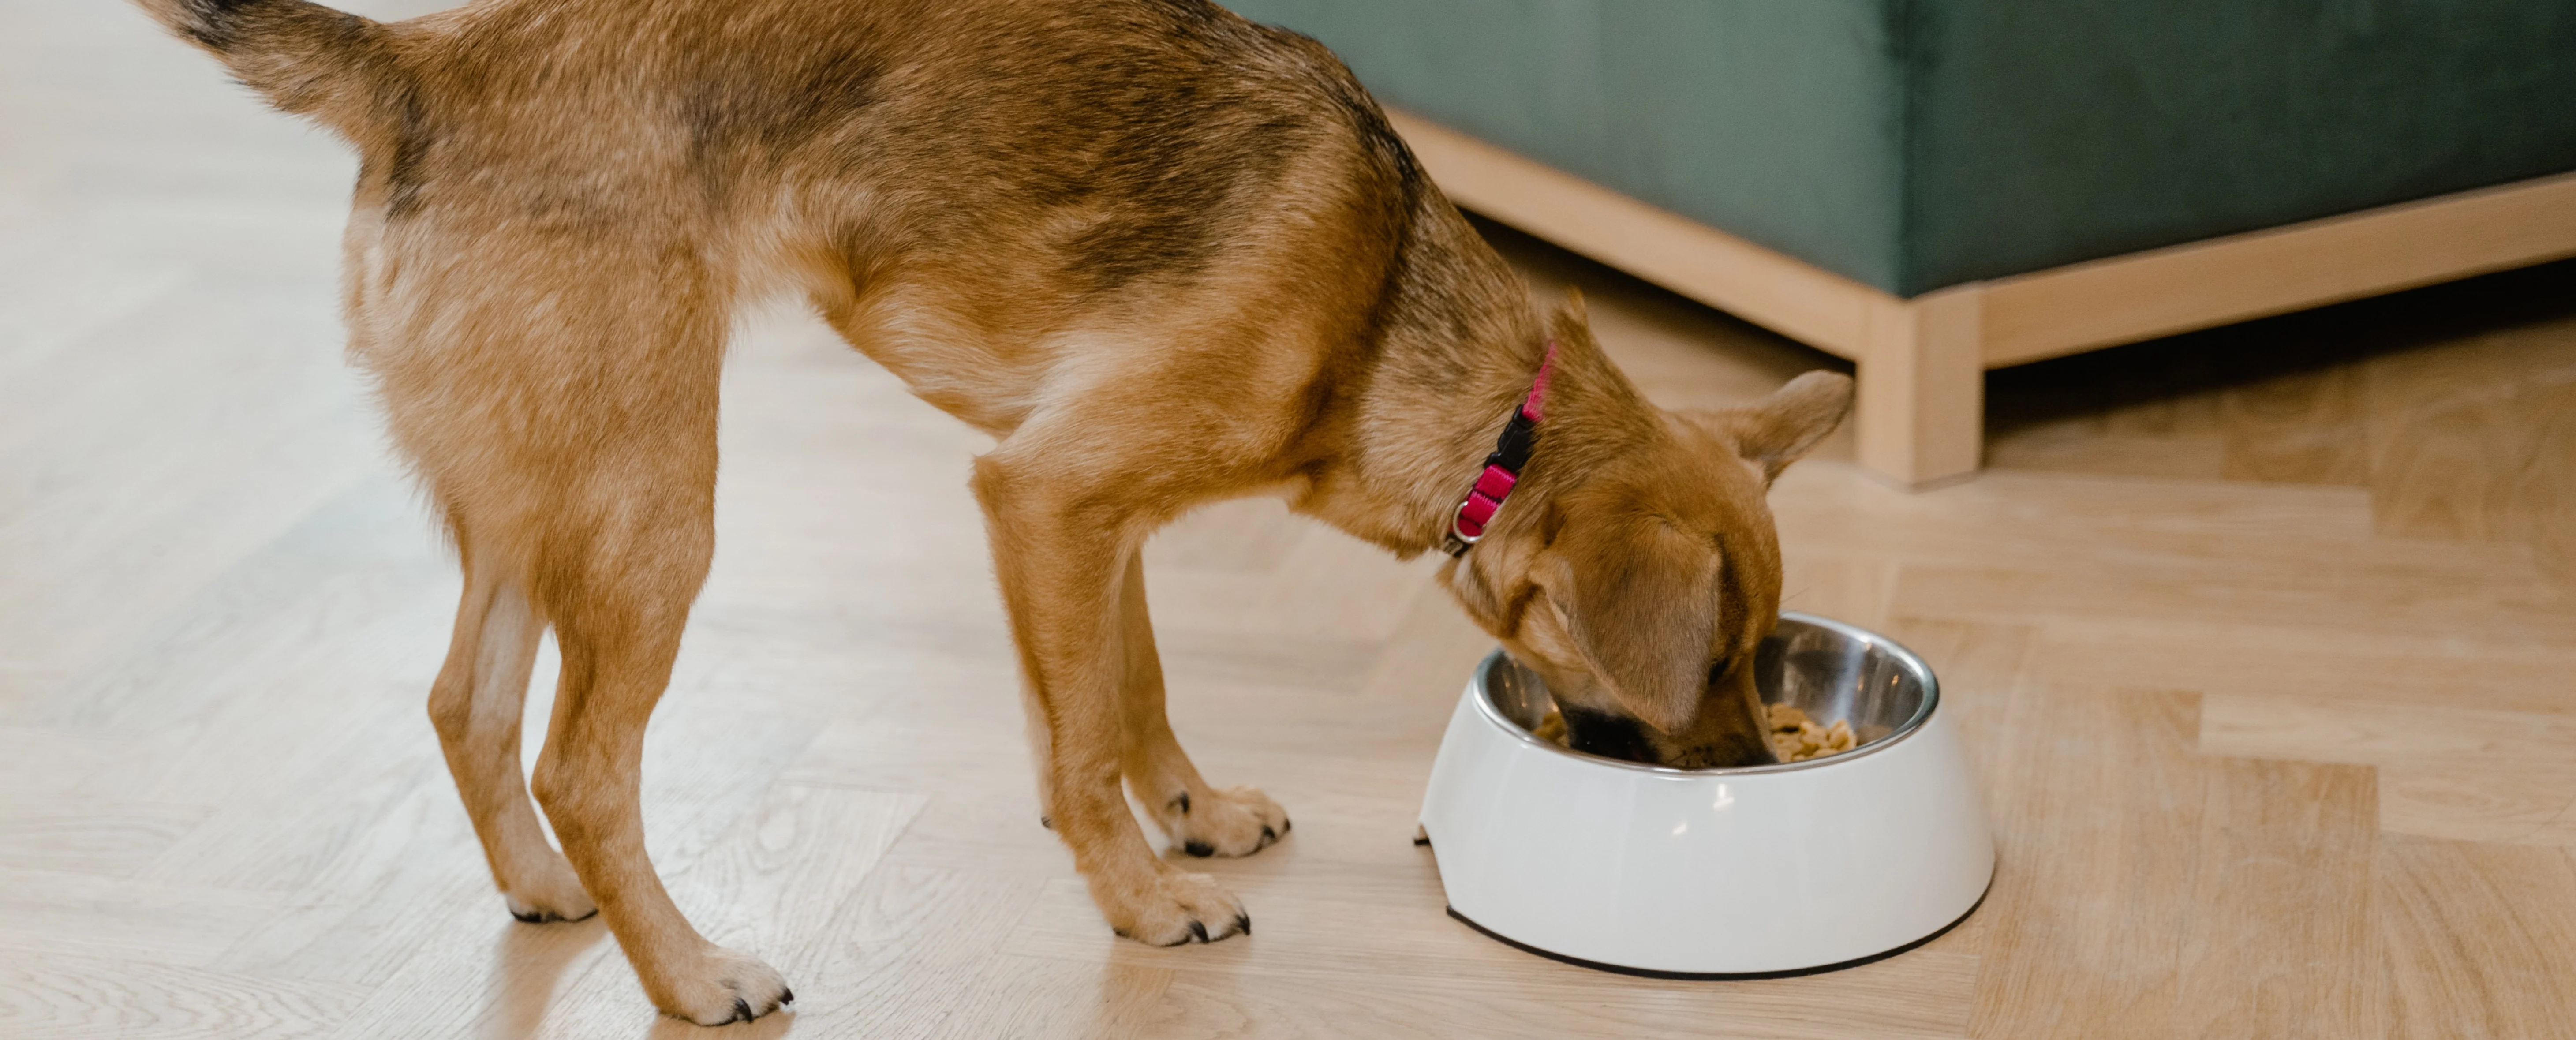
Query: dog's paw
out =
(554, 896)
(1173, 909)
(717, 986)
(1237, 821)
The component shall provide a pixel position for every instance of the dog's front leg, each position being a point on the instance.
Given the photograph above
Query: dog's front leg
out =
(1060, 557)
(1201, 820)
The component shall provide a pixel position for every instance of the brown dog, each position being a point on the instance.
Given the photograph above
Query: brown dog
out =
(1163, 256)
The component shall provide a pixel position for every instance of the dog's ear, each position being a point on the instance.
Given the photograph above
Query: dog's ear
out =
(1777, 430)
(1639, 600)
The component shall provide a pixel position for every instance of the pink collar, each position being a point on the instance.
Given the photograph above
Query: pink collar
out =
(1475, 513)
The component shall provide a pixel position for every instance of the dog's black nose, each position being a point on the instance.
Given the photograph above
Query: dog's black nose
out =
(1607, 735)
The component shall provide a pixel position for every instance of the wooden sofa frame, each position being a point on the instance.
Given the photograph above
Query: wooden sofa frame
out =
(1922, 360)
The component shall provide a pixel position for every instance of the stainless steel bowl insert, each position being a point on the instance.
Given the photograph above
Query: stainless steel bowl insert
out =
(1826, 668)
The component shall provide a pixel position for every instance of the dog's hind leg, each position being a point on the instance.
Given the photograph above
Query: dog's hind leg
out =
(477, 704)
(560, 397)
(616, 572)
(1201, 820)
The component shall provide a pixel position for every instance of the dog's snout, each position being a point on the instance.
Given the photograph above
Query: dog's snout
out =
(1718, 739)
(1607, 735)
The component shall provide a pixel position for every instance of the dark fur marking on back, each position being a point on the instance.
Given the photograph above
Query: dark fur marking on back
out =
(411, 146)
(738, 108)
(1176, 195)
(1172, 162)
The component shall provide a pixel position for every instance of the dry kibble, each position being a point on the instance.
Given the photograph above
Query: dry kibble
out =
(1794, 737)
(1552, 728)
(1797, 738)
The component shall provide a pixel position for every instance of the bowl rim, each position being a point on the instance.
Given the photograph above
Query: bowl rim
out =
(1905, 658)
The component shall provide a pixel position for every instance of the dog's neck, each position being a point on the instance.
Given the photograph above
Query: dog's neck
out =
(1459, 346)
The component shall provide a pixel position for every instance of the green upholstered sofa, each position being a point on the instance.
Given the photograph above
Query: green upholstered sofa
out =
(1936, 187)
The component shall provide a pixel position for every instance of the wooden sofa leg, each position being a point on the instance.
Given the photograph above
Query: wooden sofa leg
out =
(1922, 388)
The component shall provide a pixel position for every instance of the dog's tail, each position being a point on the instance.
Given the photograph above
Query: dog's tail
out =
(336, 68)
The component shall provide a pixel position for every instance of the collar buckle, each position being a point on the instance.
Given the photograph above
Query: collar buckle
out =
(1475, 513)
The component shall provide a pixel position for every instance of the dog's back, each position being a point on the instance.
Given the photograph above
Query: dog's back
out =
(987, 173)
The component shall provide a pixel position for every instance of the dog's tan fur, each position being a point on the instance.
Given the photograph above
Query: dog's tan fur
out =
(1163, 256)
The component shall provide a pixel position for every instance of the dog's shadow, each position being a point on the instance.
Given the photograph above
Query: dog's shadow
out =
(528, 963)
(767, 1027)
(528, 966)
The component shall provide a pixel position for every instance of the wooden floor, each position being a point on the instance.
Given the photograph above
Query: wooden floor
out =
(2268, 668)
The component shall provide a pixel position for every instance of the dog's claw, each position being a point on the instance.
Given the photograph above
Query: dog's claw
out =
(1174, 908)
(1243, 924)
(1047, 822)
(1237, 821)
(741, 1011)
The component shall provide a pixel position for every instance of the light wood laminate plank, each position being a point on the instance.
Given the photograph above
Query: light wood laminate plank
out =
(2281, 943)
(2480, 940)
(2099, 841)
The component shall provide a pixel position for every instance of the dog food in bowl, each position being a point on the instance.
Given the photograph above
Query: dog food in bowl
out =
(1552, 729)
(1794, 737)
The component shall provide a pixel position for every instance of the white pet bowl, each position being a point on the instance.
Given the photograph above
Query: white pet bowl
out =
(1757, 871)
